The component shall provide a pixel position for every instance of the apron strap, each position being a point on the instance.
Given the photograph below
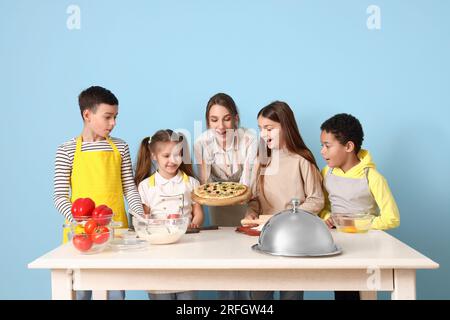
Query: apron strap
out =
(366, 171)
(113, 146)
(185, 178)
(78, 145)
(152, 183)
(108, 139)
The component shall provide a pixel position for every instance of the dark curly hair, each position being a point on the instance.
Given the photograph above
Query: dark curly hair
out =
(345, 128)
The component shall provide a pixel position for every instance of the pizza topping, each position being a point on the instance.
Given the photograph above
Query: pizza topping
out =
(220, 190)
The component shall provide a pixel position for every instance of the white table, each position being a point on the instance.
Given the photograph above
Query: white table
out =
(223, 260)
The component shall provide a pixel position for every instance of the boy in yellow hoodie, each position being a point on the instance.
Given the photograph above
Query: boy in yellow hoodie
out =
(351, 182)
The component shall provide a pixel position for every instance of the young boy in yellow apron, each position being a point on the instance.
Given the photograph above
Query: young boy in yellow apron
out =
(95, 165)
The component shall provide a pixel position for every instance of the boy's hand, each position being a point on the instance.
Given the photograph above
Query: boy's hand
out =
(329, 223)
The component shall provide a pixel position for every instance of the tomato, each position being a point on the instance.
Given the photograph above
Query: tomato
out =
(253, 232)
(173, 216)
(82, 207)
(248, 231)
(100, 235)
(102, 215)
(90, 226)
(82, 242)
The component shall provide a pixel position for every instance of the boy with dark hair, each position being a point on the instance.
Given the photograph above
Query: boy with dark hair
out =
(351, 182)
(95, 165)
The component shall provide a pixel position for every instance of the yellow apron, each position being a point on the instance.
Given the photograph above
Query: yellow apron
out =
(98, 175)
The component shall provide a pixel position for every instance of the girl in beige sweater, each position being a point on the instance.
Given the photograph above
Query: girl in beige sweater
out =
(285, 169)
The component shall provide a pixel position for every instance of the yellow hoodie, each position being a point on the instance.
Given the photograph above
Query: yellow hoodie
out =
(389, 216)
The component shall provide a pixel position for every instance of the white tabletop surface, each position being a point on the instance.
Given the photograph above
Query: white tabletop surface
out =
(225, 248)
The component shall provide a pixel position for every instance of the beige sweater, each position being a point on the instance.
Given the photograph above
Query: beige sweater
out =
(287, 176)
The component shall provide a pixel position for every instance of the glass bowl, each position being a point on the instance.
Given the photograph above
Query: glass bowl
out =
(102, 220)
(88, 235)
(161, 230)
(352, 223)
(91, 243)
(127, 241)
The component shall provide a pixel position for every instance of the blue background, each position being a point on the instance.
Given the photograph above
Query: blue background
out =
(164, 59)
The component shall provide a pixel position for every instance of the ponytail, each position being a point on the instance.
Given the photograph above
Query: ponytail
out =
(144, 162)
(186, 164)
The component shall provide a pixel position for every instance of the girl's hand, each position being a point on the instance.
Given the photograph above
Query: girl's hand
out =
(329, 223)
(197, 216)
(193, 225)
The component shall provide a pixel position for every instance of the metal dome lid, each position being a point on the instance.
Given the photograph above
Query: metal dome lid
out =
(296, 233)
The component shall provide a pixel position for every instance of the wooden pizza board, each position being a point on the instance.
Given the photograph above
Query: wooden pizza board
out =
(243, 198)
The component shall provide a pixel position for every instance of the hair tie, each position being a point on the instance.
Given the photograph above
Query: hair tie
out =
(149, 140)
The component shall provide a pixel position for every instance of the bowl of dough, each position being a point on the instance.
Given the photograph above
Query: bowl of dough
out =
(161, 230)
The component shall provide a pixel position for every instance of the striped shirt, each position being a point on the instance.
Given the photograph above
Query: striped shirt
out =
(63, 170)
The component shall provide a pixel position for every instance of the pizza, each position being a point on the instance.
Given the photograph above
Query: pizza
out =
(220, 190)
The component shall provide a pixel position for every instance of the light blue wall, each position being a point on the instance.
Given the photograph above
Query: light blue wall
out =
(164, 59)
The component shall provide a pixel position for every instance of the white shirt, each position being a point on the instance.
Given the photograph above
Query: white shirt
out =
(226, 163)
(168, 195)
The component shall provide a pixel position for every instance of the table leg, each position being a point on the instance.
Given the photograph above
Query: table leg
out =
(62, 285)
(99, 295)
(404, 284)
(368, 295)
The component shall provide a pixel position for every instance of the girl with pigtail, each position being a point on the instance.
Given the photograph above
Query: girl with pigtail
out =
(165, 178)
(165, 181)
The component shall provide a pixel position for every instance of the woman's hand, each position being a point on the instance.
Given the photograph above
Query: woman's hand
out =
(251, 216)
